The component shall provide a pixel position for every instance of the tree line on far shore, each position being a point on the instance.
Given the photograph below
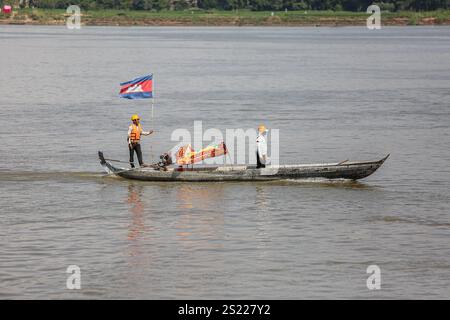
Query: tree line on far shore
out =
(255, 5)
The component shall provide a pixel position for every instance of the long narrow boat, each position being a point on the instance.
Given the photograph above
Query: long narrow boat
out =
(341, 170)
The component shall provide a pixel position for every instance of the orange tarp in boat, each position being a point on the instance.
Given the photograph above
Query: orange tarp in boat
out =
(186, 155)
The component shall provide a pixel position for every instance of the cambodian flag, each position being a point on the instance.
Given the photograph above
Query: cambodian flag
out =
(140, 88)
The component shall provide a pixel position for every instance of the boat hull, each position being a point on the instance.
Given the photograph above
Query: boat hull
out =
(343, 170)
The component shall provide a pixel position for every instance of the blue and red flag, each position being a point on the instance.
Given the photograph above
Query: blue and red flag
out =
(140, 88)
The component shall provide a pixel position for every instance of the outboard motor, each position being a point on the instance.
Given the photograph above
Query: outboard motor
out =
(165, 160)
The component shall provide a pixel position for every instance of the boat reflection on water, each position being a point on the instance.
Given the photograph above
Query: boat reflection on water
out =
(202, 196)
(261, 200)
(137, 226)
(172, 227)
(193, 225)
(263, 220)
(201, 214)
(197, 212)
(138, 233)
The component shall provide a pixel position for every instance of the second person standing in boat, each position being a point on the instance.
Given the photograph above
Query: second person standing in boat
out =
(261, 147)
(134, 139)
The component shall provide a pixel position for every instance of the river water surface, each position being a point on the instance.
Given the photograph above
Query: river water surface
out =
(334, 94)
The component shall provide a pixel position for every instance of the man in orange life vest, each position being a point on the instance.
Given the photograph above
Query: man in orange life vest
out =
(134, 139)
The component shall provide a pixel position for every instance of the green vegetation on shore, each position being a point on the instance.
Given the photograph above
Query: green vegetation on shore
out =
(254, 5)
(223, 18)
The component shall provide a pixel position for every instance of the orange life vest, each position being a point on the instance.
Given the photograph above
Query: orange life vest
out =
(135, 135)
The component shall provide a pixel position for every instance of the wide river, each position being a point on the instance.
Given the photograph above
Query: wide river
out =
(333, 93)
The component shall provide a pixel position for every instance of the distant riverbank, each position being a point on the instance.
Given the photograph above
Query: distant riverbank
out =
(223, 18)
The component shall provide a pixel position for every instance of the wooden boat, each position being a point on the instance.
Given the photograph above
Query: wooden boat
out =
(341, 170)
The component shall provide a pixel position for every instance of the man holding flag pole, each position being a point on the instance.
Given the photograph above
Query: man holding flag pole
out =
(140, 88)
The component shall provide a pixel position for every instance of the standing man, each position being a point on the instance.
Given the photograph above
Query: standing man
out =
(134, 139)
(261, 147)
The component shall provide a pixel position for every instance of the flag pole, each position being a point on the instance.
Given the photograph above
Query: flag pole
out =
(151, 121)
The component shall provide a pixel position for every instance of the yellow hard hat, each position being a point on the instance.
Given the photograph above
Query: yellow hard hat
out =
(135, 117)
(261, 128)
